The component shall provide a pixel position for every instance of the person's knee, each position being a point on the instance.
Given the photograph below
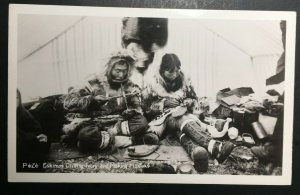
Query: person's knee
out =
(172, 124)
(138, 125)
(185, 120)
(91, 138)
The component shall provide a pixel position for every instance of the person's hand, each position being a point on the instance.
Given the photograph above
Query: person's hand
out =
(135, 91)
(151, 114)
(127, 114)
(171, 103)
(101, 98)
(158, 106)
(42, 138)
(189, 102)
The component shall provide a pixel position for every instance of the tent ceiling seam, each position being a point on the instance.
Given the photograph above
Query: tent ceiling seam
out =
(231, 43)
(45, 44)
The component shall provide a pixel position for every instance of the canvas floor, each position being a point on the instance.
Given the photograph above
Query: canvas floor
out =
(169, 158)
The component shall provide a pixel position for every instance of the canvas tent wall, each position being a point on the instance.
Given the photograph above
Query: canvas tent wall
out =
(56, 52)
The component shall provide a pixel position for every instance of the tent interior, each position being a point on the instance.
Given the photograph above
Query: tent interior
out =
(56, 52)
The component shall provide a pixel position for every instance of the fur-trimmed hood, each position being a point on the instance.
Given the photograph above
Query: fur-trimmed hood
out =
(121, 55)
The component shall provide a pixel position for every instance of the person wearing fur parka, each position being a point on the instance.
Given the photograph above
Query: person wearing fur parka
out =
(93, 95)
(113, 96)
(171, 104)
(168, 88)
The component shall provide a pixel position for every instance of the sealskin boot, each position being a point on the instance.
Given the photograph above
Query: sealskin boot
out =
(198, 154)
(220, 150)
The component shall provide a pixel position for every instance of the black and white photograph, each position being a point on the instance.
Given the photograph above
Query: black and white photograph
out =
(127, 94)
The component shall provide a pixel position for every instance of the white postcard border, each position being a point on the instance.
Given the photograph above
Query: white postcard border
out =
(285, 179)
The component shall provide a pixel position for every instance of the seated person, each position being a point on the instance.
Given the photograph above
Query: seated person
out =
(110, 94)
(32, 143)
(169, 90)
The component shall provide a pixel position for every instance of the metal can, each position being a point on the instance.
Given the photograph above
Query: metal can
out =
(259, 130)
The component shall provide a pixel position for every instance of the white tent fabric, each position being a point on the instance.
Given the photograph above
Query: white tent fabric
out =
(214, 53)
(255, 38)
(36, 31)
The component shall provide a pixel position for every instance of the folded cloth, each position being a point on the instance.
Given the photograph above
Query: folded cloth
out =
(231, 100)
(241, 91)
